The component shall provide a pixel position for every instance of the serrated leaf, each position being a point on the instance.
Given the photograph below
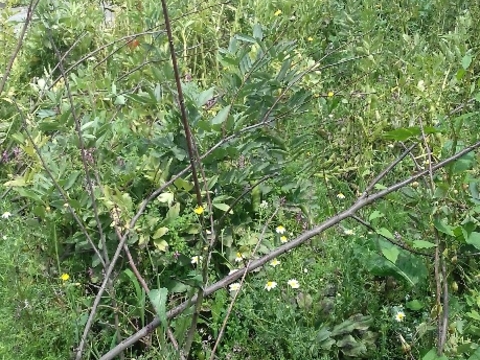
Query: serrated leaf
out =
(158, 298)
(422, 244)
(221, 116)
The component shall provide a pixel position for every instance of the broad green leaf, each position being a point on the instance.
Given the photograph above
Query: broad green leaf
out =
(158, 298)
(257, 31)
(71, 180)
(385, 233)
(160, 232)
(221, 116)
(205, 96)
(414, 305)
(442, 226)
(161, 245)
(466, 61)
(422, 244)
(391, 254)
(182, 184)
(474, 239)
(172, 214)
(245, 38)
(17, 182)
(403, 134)
(375, 215)
(223, 207)
(432, 355)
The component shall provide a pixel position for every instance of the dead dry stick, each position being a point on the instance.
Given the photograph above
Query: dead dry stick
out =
(362, 202)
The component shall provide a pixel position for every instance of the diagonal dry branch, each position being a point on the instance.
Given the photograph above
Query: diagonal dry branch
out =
(359, 204)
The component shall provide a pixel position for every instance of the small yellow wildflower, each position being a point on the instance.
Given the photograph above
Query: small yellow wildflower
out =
(274, 262)
(330, 94)
(198, 210)
(278, 12)
(280, 229)
(310, 39)
(239, 257)
(293, 283)
(340, 196)
(400, 316)
(270, 285)
(65, 277)
(283, 239)
(234, 287)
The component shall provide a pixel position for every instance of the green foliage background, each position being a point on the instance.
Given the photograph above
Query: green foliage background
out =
(303, 101)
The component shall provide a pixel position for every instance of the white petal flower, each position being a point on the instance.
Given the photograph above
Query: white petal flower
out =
(293, 283)
(400, 316)
(270, 285)
(280, 229)
(6, 215)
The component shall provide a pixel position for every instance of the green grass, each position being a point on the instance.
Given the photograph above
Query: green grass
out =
(391, 65)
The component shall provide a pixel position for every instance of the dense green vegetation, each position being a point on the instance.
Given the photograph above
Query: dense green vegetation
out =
(294, 109)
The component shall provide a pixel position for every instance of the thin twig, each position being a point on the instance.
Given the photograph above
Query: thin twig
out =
(386, 171)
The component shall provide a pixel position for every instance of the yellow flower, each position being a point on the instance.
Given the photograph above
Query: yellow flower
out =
(310, 39)
(234, 287)
(283, 239)
(198, 210)
(330, 94)
(400, 316)
(293, 283)
(270, 285)
(65, 277)
(274, 262)
(280, 229)
(340, 196)
(239, 257)
(278, 12)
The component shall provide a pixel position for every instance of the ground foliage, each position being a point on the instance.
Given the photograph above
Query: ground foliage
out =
(294, 107)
